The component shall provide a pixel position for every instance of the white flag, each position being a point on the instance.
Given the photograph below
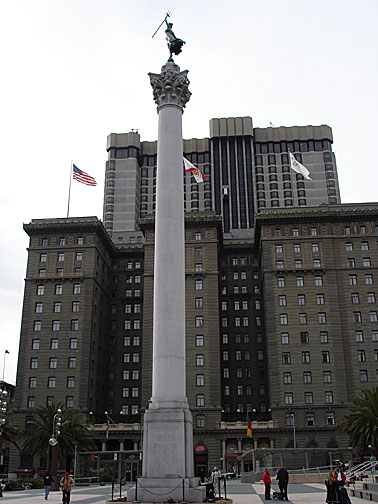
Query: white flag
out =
(196, 172)
(298, 167)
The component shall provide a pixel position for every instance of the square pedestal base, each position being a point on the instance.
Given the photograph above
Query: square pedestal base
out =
(163, 489)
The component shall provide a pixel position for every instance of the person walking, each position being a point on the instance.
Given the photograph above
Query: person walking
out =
(283, 480)
(267, 480)
(216, 474)
(339, 476)
(66, 484)
(47, 480)
(332, 489)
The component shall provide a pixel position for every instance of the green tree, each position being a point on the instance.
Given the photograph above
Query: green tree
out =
(11, 433)
(73, 431)
(361, 421)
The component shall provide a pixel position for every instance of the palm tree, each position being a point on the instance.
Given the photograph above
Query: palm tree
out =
(361, 421)
(73, 431)
(11, 433)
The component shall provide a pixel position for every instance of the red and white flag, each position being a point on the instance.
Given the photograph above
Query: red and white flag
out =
(196, 172)
(83, 177)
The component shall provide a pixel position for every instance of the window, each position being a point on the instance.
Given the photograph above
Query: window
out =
(318, 281)
(323, 337)
(284, 319)
(243, 275)
(288, 398)
(297, 248)
(60, 256)
(245, 305)
(310, 419)
(239, 390)
(200, 380)
(327, 377)
(328, 396)
(287, 378)
(74, 325)
(363, 375)
(135, 357)
(199, 303)
(295, 232)
(227, 390)
(351, 263)
(320, 299)
(359, 336)
(134, 409)
(31, 402)
(51, 382)
(315, 247)
(282, 300)
(200, 359)
(40, 290)
(53, 363)
(307, 377)
(374, 335)
(226, 373)
(135, 374)
(309, 398)
(362, 230)
(35, 344)
(281, 282)
(371, 297)
(71, 362)
(326, 358)
(37, 325)
(279, 264)
(366, 262)
(200, 422)
(300, 281)
(304, 337)
(284, 338)
(349, 246)
(364, 246)
(369, 279)
(70, 382)
(314, 231)
(373, 316)
(298, 263)
(200, 400)
(197, 235)
(198, 252)
(301, 299)
(198, 285)
(330, 418)
(322, 318)
(58, 289)
(32, 382)
(75, 306)
(352, 279)
(236, 275)
(238, 355)
(361, 356)
(279, 249)
(357, 317)
(286, 359)
(73, 343)
(136, 324)
(316, 263)
(306, 358)
(302, 318)
(38, 307)
(76, 288)
(199, 321)
(125, 374)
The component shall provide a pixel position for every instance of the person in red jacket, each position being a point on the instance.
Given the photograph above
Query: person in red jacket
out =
(267, 482)
(339, 477)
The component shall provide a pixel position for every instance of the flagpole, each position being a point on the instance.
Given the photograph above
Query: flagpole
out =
(69, 191)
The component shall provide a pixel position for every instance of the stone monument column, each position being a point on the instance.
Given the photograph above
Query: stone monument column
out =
(168, 431)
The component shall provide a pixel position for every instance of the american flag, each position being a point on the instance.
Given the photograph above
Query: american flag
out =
(83, 177)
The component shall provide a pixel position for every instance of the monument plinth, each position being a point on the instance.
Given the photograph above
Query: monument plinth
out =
(168, 468)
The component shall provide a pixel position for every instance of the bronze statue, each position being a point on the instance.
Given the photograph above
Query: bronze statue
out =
(174, 44)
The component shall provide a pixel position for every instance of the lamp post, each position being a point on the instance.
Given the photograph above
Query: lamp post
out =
(53, 442)
(3, 411)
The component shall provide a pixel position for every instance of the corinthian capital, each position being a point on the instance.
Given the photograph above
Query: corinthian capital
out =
(170, 87)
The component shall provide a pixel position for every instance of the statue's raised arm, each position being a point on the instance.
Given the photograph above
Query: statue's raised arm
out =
(174, 44)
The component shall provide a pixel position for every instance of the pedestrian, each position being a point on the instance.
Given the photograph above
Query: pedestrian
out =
(66, 484)
(373, 461)
(339, 476)
(47, 480)
(332, 489)
(267, 480)
(283, 480)
(216, 474)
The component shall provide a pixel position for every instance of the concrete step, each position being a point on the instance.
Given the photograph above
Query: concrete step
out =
(370, 495)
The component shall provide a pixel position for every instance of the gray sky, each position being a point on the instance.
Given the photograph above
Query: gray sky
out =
(74, 71)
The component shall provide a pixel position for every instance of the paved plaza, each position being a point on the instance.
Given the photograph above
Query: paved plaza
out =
(240, 493)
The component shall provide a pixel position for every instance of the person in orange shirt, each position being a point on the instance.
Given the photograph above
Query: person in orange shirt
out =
(66, 484)
(267, 482)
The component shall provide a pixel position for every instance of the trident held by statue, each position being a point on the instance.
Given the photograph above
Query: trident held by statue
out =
(168, 14)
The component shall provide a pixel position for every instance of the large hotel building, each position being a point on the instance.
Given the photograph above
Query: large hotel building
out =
(281, 313)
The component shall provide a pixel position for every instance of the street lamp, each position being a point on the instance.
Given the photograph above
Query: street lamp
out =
(53, 442)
